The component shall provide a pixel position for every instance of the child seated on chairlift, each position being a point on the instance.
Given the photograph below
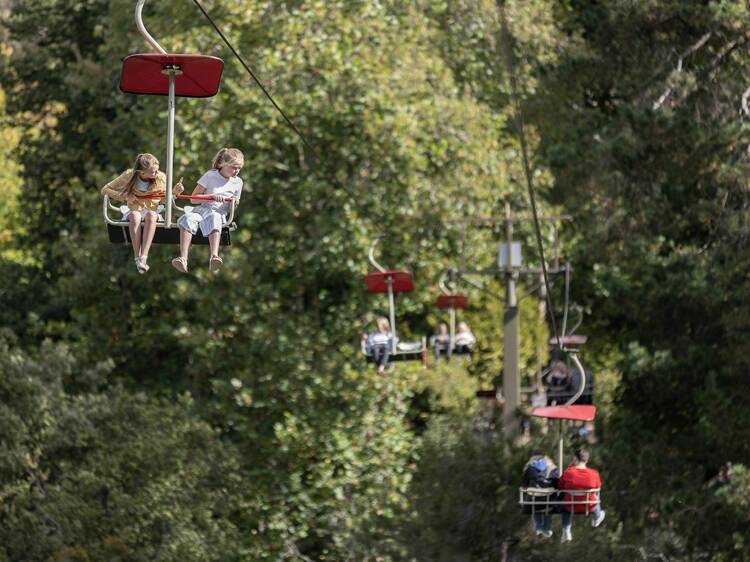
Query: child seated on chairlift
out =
(378, 344)
(222, 182)
(441, 343)
(140, 187)
(465, 340)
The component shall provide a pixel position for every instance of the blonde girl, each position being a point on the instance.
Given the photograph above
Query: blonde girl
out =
(222, 182)
(143, 179)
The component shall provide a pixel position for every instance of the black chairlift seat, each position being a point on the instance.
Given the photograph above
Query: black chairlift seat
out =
(409, 351)
(119, 234)
(403, 356)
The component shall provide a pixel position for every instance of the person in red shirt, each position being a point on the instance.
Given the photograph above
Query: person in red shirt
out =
(579, 477)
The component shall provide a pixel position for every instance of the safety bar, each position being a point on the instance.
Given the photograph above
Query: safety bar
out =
(194, 197)
(540, 497)
(106, 205)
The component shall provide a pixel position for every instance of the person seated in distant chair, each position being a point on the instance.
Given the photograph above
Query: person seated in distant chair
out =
(540, 472)
(558, 380)
(142, 187)
(379, 344)
(441, 343)
(580, 477)
(465, 340)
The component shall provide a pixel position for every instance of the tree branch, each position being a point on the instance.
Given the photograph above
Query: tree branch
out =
(689, 51)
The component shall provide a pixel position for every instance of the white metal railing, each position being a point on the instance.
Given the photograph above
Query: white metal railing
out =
(542, 499)
(107, 205)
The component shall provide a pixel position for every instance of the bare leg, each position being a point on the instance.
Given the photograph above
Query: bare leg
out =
(213, 242)
(135, 231)
(185, 239)
(148, 230)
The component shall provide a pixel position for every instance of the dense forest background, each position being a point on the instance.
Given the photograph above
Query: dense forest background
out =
(231, 416)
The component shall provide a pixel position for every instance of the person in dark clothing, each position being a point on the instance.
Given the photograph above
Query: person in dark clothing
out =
(540, 472)
(441, 343)
(558, 380)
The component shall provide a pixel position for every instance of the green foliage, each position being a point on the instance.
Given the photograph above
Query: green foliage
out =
(230, 417)
(91, 475)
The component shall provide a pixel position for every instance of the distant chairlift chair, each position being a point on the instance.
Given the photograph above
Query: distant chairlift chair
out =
(392, 282)
(451, 301)
(550, 499)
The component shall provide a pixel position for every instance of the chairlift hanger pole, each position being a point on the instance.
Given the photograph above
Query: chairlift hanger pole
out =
(171, 73)
(391, 302)
(451, 310)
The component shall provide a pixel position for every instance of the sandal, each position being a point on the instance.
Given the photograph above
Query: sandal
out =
(214, 264)
(144, 265)
(180, 264)
(139, 265)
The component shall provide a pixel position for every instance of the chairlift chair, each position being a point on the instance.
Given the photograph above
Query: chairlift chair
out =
(547, 498)
(171, 75)
(393, 282)
(451, 301)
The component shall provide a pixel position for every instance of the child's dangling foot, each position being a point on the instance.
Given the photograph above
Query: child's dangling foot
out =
(139, 265)
(180, 264)
(214, 264)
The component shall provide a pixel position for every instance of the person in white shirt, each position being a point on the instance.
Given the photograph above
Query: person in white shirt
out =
(223, 183)
(464, 341)
(378, 344)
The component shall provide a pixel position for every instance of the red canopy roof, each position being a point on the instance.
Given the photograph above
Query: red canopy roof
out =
(377, 282)
(574, 412)
(452, 301)
(200, 74)
(570, 340)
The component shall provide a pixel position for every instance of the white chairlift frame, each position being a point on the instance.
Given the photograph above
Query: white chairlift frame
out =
(107, 206)
(169, 199)
(540, 498)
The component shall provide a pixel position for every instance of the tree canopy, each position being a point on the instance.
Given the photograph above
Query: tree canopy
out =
(232, 417)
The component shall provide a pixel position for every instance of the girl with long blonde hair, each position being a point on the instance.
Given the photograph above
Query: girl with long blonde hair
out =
(137, 186)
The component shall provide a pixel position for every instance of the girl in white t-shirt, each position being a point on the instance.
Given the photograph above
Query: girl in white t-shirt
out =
(222, 181)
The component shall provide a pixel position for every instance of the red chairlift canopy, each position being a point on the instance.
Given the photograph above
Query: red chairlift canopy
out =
(575, 412)
(452, 301)
(401, 280)
(199, 75)
(571, 341)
